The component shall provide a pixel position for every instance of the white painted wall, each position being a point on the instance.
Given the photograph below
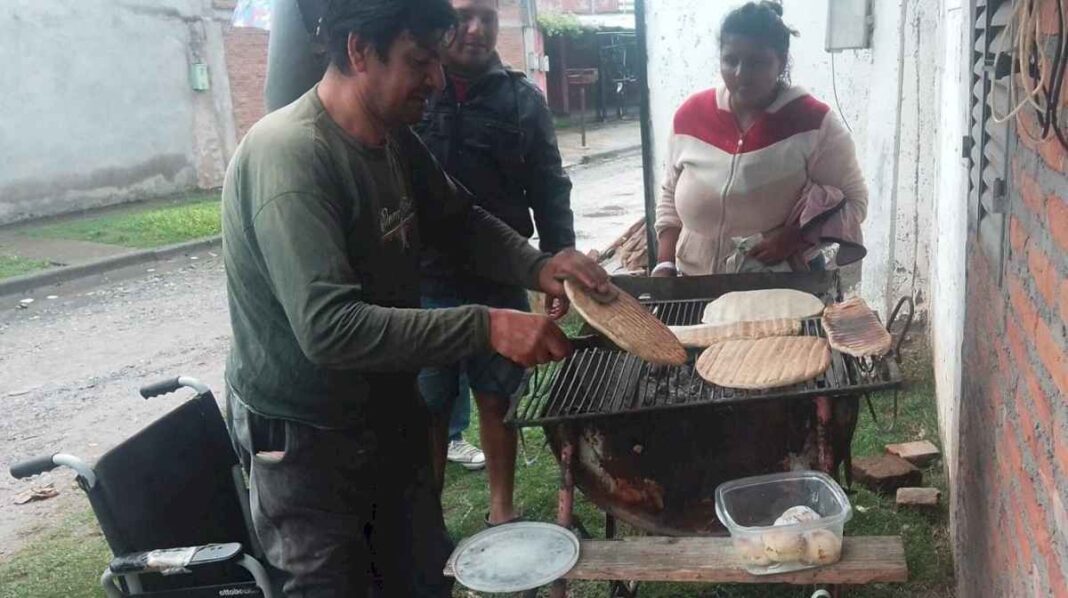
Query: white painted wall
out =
(949, 238)
(97, 106)
(905, 99)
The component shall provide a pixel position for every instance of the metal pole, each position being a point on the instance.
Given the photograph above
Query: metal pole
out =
(582, 112)
(565, 504)
(647, 132)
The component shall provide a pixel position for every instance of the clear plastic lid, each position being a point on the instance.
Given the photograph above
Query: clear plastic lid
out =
(755, 502)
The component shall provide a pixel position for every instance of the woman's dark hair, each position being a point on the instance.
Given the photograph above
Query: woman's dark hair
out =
(379, 23)
(763, 22)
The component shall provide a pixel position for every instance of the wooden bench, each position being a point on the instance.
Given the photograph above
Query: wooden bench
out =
(865, 559)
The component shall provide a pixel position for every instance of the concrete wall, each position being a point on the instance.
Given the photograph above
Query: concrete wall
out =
(884, 95)
(97, 107)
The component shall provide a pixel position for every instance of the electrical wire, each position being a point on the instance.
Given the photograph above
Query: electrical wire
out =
(834, 86)
(1024, 27)
(1041, 77)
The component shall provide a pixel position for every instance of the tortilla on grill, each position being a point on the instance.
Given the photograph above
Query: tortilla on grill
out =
(766, 304)
(703, 335)
(758, 364)
(628, 324)
(854, 329)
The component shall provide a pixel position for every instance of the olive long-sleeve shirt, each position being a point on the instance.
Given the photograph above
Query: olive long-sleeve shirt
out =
(322, 237)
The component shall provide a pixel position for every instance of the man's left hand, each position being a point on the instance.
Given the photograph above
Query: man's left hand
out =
(779, 245)
(570, 264)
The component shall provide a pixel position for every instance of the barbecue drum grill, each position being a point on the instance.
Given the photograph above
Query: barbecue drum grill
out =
(648, 444)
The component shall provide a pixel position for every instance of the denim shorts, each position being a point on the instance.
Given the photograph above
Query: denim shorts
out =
(489, 372)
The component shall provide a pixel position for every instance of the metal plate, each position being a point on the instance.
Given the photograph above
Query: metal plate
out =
(515, 557)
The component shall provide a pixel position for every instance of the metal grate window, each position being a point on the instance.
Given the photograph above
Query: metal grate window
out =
(988, 144)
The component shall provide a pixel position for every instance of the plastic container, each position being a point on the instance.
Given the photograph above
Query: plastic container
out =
(749, 507)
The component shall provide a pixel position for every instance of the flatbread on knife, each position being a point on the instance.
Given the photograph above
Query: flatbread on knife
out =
(758, 364)
(766, 304)
(854, 329)
(703, 335)
(628, 324)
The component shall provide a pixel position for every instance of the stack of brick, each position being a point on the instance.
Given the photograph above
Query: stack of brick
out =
(1012, 522)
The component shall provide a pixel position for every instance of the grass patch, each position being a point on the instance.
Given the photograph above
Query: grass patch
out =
(175, 222)
(13, 265)
(67, 561)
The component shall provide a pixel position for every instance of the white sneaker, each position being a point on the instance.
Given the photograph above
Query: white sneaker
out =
(469, 456)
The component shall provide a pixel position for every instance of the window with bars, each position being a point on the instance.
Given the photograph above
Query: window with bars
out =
(988, 143)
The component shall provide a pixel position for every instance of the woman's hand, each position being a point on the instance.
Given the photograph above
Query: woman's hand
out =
(779, 246)
(665, 270)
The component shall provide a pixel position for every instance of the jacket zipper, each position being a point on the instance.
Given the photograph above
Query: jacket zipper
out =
(723, 199)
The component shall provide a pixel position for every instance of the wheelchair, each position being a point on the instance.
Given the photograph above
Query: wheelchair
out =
(173, 506)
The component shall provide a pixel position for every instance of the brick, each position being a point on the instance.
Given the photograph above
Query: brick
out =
(1030, 192)
(1022, 304)
(1047, 18)
(1057, 221)
(1028, 122)
(1018, 235)
(1052, 153)
(918, 497)
(1052, 355)
(920, 453)
(886, 473)
(1043, 273)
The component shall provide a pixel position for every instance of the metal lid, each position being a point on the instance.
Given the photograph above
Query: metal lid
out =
(515, 557)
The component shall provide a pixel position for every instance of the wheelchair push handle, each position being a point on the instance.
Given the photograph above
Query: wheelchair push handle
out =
(33, 467)
(169, 385)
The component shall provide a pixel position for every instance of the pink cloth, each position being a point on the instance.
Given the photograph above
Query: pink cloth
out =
(826, 217)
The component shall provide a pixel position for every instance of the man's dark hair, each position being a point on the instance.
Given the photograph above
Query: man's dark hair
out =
(379, 23)
(761, 21)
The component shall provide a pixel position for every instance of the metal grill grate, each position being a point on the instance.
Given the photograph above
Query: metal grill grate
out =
(602, 382)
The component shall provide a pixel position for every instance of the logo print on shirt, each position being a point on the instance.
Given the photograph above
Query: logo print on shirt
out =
(396, 225)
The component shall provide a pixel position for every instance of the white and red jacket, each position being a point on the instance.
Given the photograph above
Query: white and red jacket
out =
(722, 182)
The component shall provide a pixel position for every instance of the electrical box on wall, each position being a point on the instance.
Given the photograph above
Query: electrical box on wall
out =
(849, 24)
(198, 77)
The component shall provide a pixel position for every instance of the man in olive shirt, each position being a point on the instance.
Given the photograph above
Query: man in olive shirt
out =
(327, 206)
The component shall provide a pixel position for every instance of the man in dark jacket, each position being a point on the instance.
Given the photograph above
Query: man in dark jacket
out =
(491, 130)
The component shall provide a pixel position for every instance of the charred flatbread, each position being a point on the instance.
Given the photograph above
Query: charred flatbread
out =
(854, 329)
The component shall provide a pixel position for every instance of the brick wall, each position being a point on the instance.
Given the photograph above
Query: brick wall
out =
(1012, 523)
(510, 38)
(246, 63)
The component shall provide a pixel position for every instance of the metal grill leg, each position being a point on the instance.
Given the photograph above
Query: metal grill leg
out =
(825, 449)
(565, 504)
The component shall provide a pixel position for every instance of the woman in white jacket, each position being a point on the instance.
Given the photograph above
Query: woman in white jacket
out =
(757, 157)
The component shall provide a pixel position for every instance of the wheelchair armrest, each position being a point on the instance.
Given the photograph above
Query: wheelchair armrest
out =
(175, 560)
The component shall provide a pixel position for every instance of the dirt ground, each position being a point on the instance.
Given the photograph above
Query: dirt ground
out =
(70, 367)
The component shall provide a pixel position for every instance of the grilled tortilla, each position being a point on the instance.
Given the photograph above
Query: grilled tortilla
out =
(757, 364)
(766, 304)
(704, 335)
(628, 324)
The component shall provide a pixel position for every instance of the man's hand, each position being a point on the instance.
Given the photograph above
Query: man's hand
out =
(570, 264)
(779, 245)
(556, 307)
(527, 339)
